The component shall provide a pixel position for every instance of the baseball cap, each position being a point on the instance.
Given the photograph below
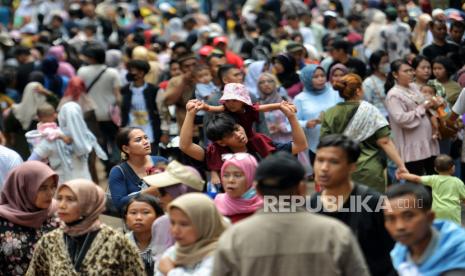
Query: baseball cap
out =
(176, 173)
(220, 39)
(280, 170)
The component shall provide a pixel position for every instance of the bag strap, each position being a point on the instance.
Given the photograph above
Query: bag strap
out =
(96, 79)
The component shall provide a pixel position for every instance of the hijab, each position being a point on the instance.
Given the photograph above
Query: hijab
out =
(338, 66)
(91, 201)
(420, 31)
(306, 76)
(253, 72)
(289, 76)
(76, 91)
(58, 52)
(17, 200)
(249, 202)
(113, 58)
(274, 96)
(26, 110)
(209, 225)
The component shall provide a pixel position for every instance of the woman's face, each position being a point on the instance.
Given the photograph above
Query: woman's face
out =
(337, 75)
(404, 75)
(139, 143)
(278, 67)
(68, 205)
(266, 85)
(423, 71)
(182, 229)
(234, 181)
(318, 79)
(140, 217)
(439, 71)
(45, 193)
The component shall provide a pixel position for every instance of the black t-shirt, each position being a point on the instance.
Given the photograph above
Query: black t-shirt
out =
(432, 51)
(368, 227)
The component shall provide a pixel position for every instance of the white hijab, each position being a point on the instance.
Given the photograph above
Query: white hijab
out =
(26, 110)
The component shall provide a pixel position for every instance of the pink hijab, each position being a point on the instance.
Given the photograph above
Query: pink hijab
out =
(19, 193)
(249, 202)
(91, 200)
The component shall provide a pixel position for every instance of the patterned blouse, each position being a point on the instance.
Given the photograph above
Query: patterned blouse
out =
(17, 244)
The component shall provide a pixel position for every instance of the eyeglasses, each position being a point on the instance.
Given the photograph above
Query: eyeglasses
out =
(238, 156)
(265, 81)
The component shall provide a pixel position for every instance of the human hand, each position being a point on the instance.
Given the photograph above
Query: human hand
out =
(165, 265)
(287, 108)
(191, 106)
(2, 139)
(312, 123)
(401, 172)
(290, 105)
(41, 90)
(202, 106)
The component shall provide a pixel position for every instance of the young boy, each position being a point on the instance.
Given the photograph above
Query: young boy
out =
(448, 190)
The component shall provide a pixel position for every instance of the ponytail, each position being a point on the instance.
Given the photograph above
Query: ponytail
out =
(390, 82)
(395, 66)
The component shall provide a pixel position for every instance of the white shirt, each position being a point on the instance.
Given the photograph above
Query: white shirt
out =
(9, 159)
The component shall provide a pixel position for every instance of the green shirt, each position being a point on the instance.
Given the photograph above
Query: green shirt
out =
(371, 163)
(447, 193)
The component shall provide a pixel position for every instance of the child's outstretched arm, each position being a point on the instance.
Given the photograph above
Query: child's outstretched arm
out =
(274, 106)
(411, 177)
(209, 108)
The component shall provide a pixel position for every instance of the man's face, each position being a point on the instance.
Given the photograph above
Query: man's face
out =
(236, 139)
(215, 64)
(188, 65)
(332, 167)
(233, 76)
(298, 55)
(402, 13)
(405, 221)
(293, 22)
(439, 30)
(456, 34)
(336, 54)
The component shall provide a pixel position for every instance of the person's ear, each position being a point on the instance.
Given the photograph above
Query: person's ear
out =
(352, 167)
(302, 188)
(221, 143)
(125, 149)
(430, 215)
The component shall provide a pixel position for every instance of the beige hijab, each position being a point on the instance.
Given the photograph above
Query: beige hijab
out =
(420, 30)
(26, 110)
(91, 200)
(208, 222)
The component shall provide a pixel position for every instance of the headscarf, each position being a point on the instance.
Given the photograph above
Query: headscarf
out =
(289, 76)
(76, 91)
(372, 37)
(175, 31)
(249, 202)
(306, 76)
(338, 66)
(19, 193)
(253, 72)
(208, 224)
(72, 123)
(58, 52)
(26, 110)
(274, 96)
(420, 30)
(113, 58)
(91, 200)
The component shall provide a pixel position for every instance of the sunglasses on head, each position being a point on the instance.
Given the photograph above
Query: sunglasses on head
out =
(238, 156)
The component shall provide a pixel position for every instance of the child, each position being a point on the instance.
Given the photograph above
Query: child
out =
(236, 101)
(429, 92)
(47, 125)
(447, 190)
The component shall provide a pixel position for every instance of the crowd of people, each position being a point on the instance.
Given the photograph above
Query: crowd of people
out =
(237, 137)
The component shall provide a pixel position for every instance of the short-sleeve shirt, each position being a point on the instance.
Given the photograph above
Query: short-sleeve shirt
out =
(448, 191)
(459, 106)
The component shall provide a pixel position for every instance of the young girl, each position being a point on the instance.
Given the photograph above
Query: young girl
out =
(236, 101)
(140, 213)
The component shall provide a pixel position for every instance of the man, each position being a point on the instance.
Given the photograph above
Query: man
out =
(293, 26)
(181, 88)
(139, 103)
(456, 31)
(395, 36)
(221, 43)
(335, 161)
(297, 52)
(103, 87)
(26, 65)
(440, 46)
(424, 246)
(340, 52)
(283, 242)
(215, 60)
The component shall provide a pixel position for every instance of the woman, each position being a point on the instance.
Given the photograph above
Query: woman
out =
(254, 70)
(412, 129)
(125, 180)
(22, 117)
(64, 68)
(316, 98)
(196, 225)
(284, 68)
(25, 214)
(443, 69)
(337, 72)
(420, 31)
(372, 38)
(70, 161)
(373, 86)
(240, 199)
(53, 81)
(83, 245)
(365, 124)
(422, 68)
(139, 215)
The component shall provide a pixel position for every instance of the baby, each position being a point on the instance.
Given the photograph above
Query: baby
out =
(204, 86)
(47, 125)
(429, 92)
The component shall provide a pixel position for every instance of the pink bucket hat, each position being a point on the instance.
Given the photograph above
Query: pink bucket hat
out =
(236, 91)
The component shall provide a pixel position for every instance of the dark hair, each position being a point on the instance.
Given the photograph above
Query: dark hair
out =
(430, 86)
(418, 191)
(91, 27)
(447, 63)
(348, 85)
(150, 200)
(37, 76)
(3, 84)
(434, 21)
(350, 147)
(457, 24)
(375, 59)
(122, 137)
(342, 45)
(21, 50)
(418, 59)
(140, 65)
(95, 52)
(443, 163)
(181, 44)
(395, 66)
(223, 70)
(219, 126)
(186, 56)
(215, 54)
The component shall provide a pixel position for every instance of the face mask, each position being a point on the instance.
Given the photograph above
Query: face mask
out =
(130, 77)
(385, 68)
